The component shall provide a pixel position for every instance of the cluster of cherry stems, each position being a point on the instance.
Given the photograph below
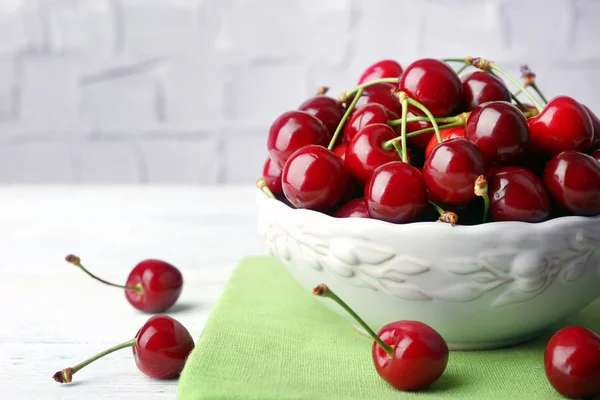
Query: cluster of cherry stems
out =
(408, 141)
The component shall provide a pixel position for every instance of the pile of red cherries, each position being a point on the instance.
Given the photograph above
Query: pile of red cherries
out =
(427, 142)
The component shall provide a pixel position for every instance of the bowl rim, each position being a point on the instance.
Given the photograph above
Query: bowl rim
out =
(262, 198)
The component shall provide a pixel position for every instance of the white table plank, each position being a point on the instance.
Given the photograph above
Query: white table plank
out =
(54, 316)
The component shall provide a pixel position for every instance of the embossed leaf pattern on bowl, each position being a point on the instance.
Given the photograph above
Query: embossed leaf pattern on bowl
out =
(512, 277)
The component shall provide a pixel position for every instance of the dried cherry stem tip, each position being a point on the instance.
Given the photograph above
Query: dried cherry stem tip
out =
(262, 185)
(73, 259)
(66, 375)
(323, 290)
(322, 90)
(446, 216)
(481, 190)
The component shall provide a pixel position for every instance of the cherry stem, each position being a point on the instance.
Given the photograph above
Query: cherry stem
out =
(518, 85)
(323, 291)
(370, 83)
(404, 104)
(439, 209)
(431, 117)
(445, 216)
(262, 185)
(539, 92)
(481, 190)
(77, 262)
(444, 120)
(397, 147)
(388, 144)
(461, 69)
(338, 129)
(65, 375)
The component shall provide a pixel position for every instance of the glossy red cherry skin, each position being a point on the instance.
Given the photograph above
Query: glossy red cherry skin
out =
(421, 140)
(563, 124)
(451, 170)
(293, 130)
(327, 110)
(356, 208)
(365, 152)
(272, 174)
(596, 154)
(434, 84)
(447, 134)
(572, 362)
(380, 94)
(161, 285)
(516, 194)
(420, 355)
(162, 348)
(499, 129)
(396, 193)
(340, 151)
(370, 114)
(314, 178)
(381, 69)
(596, 127)
(481, 87)
(573, 181)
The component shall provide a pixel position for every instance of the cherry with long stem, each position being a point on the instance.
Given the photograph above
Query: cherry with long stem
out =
(77, 262)
(481, 190)
(340, 126)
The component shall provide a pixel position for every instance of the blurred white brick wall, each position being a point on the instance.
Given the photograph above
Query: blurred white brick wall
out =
(183, 91)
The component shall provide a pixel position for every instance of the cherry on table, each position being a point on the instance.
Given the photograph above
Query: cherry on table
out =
(366, 152)
(564, 124)
(152, 286)
(481, 87)
(272, 175)
(447, 134)
(314, 178)
(573, 181)
(499, 129)
(355, 208)
(396, 193)
(516, 194)
(327, 110)
(293, 130)
(409, 355)
(434, 84)
(160, 349)
(381, 69)
(451, 169)
(372, 113)
(572, 362)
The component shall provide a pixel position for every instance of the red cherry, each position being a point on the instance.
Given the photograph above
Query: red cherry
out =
(528, 107)
(516, 194)
(420, 355)
(596, 127)
(447, 134)
(293, 130)
(272, 174)
(328, 110)
(596, 154)
(160, 283)
(381, 69)
(381, 93)
(356, 208)
(434, 84)
(572, 362)
(481, 87)
(340, 151)
(451, 170)
(563, 124)
(573, 181)
(396, 193)
(365, 152)
(421, 141)
(153, 286)
(369, 114)
(499, 129)
(409, 355)
(160, 349)
(314, 178)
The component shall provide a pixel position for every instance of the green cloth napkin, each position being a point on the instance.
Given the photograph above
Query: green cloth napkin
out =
(270, 339)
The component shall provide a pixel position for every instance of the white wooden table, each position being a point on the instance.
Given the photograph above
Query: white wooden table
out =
(54, 316)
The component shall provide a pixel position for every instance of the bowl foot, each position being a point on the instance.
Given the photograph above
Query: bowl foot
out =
(474, 346)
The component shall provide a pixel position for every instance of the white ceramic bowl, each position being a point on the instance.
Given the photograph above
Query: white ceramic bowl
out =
(482, 286)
